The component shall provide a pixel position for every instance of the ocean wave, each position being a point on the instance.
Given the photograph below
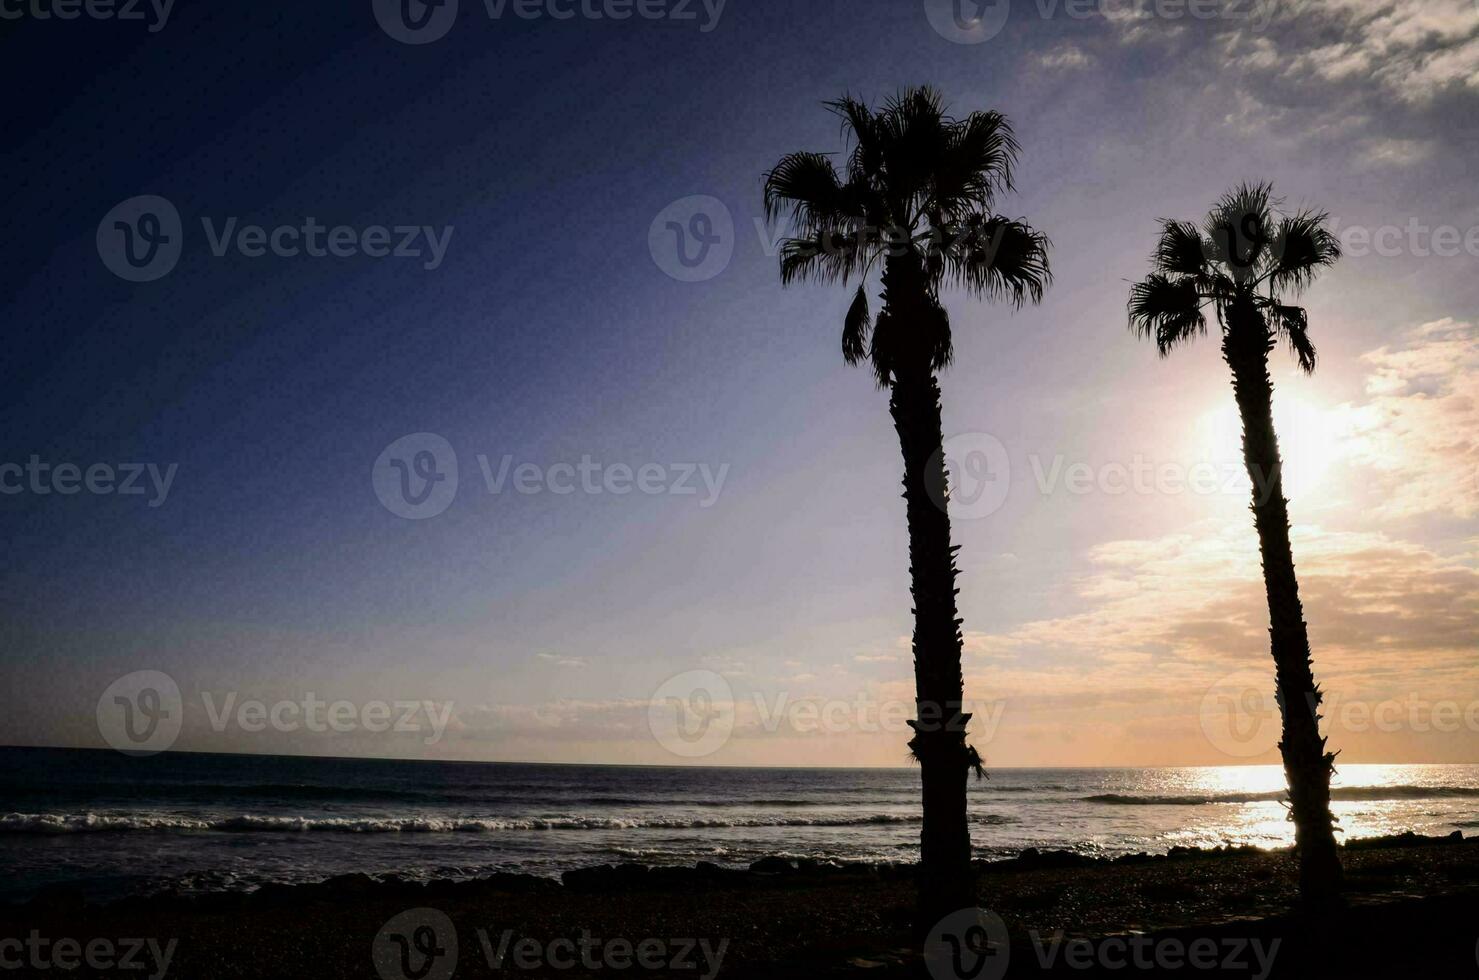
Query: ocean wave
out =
(65, 823)
(1349, 793)
(554, 798)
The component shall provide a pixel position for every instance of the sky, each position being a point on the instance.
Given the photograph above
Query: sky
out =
(667, 482)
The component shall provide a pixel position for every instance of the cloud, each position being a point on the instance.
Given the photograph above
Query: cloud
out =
(1371, 81)
(1395, 152)
(1065, 57)
(560, 660)
(1169, 616)
(1418, 431)
(1162, 618)
(1413, 49)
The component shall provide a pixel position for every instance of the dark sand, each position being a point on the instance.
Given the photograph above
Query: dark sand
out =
(1413, 912)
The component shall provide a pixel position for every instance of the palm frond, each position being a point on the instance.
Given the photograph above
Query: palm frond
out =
(980, 153)
(885, 350)
(914, 135)
(997, 258)
(1302, 246)
(1239, 230)
(855, 327)
(806, 186)
(1181, 250)
(914, 197)
(1292, 323)
(859, 127)
(825, 257)
(1166, 310)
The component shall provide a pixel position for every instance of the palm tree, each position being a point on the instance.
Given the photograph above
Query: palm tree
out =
(1244, 262)
(914, 199)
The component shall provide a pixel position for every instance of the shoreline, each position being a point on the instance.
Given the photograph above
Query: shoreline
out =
(627, 874)
(783, 917)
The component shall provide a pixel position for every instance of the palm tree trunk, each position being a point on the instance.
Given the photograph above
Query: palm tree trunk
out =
(1307, 766)
(946, 882)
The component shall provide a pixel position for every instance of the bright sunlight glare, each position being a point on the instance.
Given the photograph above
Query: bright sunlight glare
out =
(1311, 438)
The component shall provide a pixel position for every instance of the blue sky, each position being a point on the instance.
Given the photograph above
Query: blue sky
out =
(548, 332)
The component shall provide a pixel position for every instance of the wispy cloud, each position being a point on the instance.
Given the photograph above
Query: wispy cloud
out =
(1064, 57)
(1418, 432)
(560, 660)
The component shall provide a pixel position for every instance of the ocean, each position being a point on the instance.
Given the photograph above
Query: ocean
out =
(114, 825)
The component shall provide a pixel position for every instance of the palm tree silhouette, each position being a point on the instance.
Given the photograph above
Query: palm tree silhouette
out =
(915, 199)
(1244, 262)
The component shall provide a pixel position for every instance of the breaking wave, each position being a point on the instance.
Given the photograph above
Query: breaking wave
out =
(1336, 793)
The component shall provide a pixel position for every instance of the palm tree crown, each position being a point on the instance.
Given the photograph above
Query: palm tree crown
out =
(1246, 259)
(916, 191)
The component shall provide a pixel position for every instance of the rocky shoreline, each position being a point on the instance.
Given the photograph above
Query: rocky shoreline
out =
(783, 917)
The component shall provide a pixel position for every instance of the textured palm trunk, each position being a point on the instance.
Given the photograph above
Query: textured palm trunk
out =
(947, 882)
(1307, 765)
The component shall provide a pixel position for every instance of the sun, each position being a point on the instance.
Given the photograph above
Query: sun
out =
(1312, 437)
